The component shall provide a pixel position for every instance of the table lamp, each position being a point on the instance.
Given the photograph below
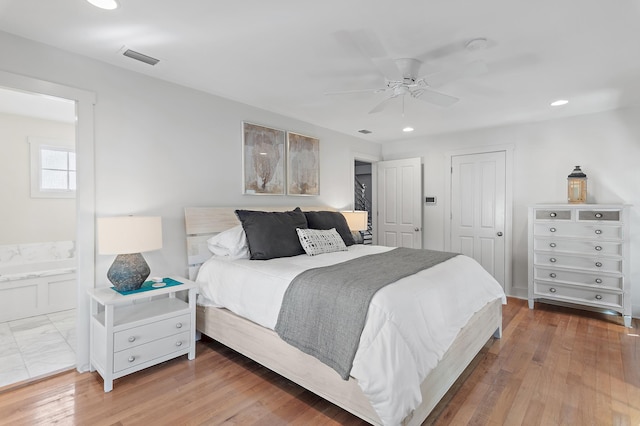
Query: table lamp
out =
(357, 219)
(127, 237)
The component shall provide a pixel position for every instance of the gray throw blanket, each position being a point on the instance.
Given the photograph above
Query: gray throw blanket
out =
(324, 309)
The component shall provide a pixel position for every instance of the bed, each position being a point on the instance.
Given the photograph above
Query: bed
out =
(262, 344)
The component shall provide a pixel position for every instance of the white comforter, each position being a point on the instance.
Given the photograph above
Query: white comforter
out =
(410, 323)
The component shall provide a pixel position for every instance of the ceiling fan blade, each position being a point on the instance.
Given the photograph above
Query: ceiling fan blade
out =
(368, 45)
(472, 69)
(348, 92)
(434, 97)
(442, 51)
(382, 105)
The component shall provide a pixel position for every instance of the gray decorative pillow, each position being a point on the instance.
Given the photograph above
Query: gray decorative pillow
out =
(328, 220)
(318, 241)
(272, 234)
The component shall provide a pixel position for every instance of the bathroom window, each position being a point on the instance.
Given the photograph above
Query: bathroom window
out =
(53, 169)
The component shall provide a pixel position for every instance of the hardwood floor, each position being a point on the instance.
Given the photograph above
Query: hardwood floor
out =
(553, 366)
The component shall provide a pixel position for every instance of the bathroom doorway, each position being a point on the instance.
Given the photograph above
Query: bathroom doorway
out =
(38, 287)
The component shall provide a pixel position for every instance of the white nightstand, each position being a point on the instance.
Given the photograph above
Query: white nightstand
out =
(136, 331)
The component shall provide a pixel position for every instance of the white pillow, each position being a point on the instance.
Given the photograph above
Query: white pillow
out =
(318, 241)
(232, 243)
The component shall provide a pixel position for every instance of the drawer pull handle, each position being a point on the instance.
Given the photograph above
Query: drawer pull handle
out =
(598, 297)
(132, 339)
(598, 231)
(552, 290)
(178, 343)
(599, 264)
(598, 215)
(553, 214)
(552, 245)
(552, 275)
(552, 260)
(552, 229)
(598, 280)
(598, 248)
(131, 358)
(179, 325)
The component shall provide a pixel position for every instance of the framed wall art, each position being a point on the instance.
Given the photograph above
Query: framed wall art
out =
(263, 159)
(303, 165)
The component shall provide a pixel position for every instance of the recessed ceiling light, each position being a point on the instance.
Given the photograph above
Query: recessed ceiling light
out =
(408, 129)
(559, 102)
(104, 4)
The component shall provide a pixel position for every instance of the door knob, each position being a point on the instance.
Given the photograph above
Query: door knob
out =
(499, 234)
(416, 229)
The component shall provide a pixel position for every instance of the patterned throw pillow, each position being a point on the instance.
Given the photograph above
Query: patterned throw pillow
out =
(318, 241)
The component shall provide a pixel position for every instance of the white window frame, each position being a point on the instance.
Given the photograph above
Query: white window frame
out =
(36, 147)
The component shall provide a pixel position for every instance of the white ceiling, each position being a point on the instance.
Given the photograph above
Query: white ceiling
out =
(284, 55)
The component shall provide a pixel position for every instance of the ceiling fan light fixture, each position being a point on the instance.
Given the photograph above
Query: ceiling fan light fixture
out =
(559, 102)
(408, 129)
(104, 4)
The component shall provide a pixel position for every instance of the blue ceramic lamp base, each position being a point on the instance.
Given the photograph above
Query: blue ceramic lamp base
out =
(128, 272)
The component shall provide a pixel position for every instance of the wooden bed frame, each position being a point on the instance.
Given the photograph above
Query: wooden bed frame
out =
(265, 347)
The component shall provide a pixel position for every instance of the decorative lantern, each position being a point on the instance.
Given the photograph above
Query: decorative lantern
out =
(577, 186)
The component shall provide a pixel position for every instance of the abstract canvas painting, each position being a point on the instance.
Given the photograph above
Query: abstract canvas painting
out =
(263, 159)
(303, 165)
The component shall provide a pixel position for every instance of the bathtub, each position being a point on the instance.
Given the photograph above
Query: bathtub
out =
(37, 279)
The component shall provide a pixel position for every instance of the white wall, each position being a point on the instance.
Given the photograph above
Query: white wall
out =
(31, 220)
(160, 147)
(606, 145)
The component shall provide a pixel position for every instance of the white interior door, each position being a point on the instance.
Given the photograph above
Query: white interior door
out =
(400, 203)
(478, 208)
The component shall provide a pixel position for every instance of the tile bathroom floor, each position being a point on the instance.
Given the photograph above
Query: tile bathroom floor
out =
(37, 346)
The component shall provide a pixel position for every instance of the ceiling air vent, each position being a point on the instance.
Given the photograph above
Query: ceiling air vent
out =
(364, 131)
(140, 57)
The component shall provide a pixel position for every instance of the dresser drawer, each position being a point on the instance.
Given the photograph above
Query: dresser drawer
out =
(578, 295)
(150, 332)
(603, 215)
(578, 262)
(574, 229)
(553, 214)
(137, 355)
(578, 246)
(575, 277)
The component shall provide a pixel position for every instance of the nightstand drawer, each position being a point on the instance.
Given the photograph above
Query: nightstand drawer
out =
(150, 332)
(550, 274)
(578, 295)
(578, 262)
(132, 357)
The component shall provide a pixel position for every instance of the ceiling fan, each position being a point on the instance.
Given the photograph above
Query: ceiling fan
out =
(402, 76)
(406, 82)
(401, 80)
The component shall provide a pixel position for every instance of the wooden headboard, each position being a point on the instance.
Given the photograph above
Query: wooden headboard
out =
(201, 223)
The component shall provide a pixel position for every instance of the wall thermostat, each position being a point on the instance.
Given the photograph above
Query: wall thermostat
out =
(430, 200)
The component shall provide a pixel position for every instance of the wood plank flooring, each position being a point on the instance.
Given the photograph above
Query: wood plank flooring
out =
(553, 366)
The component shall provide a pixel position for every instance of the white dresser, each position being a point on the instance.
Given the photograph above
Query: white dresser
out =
(136, 331)
(579, 254)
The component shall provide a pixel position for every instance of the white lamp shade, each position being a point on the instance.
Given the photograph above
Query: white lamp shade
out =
(129, 234)
(357, 220)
